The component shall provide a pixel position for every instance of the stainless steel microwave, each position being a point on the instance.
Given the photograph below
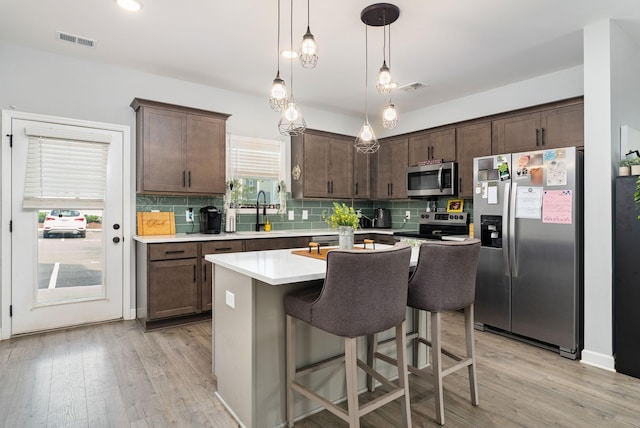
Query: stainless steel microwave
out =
(438, 179)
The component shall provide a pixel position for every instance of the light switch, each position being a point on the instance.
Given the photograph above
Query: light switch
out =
(305, 215)
(230, 299)
(291, 215)
(407, 215)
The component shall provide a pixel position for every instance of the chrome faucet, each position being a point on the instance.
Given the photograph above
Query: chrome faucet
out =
(264, 209)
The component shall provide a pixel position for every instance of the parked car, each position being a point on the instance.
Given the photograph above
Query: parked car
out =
(63, 222)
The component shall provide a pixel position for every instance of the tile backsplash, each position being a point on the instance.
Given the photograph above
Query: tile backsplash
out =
(316, 210)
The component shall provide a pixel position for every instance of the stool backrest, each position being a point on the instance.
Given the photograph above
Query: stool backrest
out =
(364, 292)
(445, 277)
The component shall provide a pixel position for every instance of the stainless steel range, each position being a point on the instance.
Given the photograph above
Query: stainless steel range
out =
(439, 226)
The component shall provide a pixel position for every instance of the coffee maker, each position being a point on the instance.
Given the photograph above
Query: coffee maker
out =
(210, 219)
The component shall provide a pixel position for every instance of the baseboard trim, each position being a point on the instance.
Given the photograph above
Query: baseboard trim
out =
(132, 315)
(596, 359)
(230, 410)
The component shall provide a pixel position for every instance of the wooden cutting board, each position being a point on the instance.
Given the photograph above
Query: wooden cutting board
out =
(323, 252)
(163, 223)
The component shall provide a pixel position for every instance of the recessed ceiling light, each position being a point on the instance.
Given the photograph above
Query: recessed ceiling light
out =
(130, 5)
(290, 54)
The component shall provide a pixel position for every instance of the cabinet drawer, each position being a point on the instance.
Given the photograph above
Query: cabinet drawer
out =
(180, 250)
(217, 247)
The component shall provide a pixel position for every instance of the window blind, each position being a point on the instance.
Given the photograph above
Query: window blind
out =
(65, 169)
(256, 158)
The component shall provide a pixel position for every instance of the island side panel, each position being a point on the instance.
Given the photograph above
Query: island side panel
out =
(233, 342)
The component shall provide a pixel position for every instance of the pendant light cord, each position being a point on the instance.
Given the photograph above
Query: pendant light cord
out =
(384, 36)
(308, 13)
(278, 49)
(366, 74)
(291, 48)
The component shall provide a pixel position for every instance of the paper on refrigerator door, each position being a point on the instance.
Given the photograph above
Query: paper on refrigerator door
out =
(529, 202)
(492, 193)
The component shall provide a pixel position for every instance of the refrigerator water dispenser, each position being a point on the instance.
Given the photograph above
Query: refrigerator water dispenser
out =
(491, 231)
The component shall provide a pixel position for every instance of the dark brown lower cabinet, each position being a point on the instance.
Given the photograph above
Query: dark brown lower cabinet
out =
(174, 285)
(214, 247)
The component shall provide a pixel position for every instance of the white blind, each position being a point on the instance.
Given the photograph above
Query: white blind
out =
(65, 173)
(253, 157)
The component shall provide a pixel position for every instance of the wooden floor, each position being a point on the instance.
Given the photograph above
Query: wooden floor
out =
(114, 375)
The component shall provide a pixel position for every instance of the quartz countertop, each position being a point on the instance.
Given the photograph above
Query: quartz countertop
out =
(277, 267)
(193, 237)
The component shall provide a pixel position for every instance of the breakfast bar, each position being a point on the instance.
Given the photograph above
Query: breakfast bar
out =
(249, 334)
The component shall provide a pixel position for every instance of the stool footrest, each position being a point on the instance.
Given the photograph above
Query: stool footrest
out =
(303, 371)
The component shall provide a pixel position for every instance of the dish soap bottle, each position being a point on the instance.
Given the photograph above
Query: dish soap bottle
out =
(267, 226)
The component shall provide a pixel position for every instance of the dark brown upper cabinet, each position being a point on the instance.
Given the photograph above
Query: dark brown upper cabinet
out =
(545, 128)
(471, 141)
(391, 162)
(180, 150)
(431, 145)
(326, 163)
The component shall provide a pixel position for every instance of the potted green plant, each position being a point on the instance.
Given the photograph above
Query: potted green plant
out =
(346, 220)
(624, 167)
(635, 166)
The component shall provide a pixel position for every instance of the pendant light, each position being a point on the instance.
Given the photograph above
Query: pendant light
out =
(366, 141)
(383, 82)
(389, 113)
(278, 98)
(291, 122)
(309, 49)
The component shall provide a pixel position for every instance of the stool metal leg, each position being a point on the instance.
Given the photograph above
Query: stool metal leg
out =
(436, 361)
(351, 367)
(403, 373)
(291, 365)
(471, 353)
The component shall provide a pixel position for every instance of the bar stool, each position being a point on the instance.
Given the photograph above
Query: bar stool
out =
(364, 292)
(444, 280)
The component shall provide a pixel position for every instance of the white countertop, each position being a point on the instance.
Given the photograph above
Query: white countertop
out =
(192, 237)
(278, 267)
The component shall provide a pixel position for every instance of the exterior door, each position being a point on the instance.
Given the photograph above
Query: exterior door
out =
(67, 251)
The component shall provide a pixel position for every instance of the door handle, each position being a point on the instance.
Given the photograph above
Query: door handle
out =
(116, 240)
(440, 185)
(512, 231)
(505, 229)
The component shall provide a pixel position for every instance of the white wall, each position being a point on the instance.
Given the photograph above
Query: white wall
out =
(612, 99)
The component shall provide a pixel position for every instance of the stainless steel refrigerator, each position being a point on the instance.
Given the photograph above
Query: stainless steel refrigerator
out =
(527, 211)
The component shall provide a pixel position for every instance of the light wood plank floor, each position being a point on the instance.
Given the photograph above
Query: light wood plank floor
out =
(114, 375)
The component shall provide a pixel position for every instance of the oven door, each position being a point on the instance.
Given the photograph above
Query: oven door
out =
(432, 180)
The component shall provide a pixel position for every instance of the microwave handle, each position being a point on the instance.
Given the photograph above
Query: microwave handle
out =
(440, 180)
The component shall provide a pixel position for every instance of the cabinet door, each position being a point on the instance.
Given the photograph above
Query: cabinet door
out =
(173, 288)
(340, 168)
(315, 154)
(433, 145)
(214, 247)
(471, 141)
(277, 243)
(391, 169)
(562, 127)
(164, 142)
(205, 154)
(361, 175)
(516, 134)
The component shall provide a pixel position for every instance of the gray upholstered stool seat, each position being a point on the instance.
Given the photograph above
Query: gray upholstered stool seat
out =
(364, 292)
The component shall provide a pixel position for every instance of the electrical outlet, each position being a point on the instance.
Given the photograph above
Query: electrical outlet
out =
(189, 215)
(407, 215)
(230, 299)
(305, 215)
(291, 215)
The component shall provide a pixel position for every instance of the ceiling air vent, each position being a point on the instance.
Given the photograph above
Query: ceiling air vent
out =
(410, 87)
(78, 40)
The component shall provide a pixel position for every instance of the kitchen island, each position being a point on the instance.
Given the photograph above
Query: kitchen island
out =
(249, 335)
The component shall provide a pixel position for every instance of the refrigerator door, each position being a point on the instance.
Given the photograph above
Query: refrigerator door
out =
(491, 211)
(545, 276)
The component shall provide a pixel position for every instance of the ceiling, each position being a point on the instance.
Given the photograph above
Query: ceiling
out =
(455, 47)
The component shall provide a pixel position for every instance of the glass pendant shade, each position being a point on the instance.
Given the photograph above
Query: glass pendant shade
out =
(389, 116)
(309, 50)
(278, 98)
(383, 83)
(366, 141)
(291, 122)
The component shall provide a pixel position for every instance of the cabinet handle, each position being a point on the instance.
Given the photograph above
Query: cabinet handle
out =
(223, 249)
(328, 188)
(194, 273)
(391, 189)
(543, 136)
(388, 188)
(174, 252)
(189, 178)
(204, 272)
(331, 186)
(459, 184)
(537, 137)
(356, 188)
